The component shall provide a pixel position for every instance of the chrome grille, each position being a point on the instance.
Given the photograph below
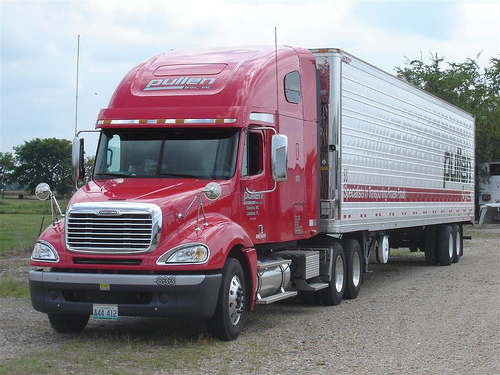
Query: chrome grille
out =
(112, 228)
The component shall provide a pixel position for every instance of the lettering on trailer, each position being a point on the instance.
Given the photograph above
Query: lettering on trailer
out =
(371, 193)
(366, 193)
(180, 83)
(457, 167)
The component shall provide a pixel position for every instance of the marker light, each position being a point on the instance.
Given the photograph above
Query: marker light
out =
(167, 121)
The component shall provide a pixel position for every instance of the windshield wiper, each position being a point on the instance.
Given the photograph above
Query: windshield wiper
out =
(182, 175)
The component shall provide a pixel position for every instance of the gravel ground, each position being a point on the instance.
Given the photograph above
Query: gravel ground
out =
(409, 318)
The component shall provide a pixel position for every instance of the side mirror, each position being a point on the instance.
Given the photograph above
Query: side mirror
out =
(279, 157)
(77, 159)
(42, 191)
(212, 191)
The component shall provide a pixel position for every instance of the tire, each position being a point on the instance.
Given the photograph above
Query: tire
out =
(445, 245)
(354, 268)
(68, 323)
(430, 246)
(227, 322)
(461, 229)
(457, 242)
(334, 294)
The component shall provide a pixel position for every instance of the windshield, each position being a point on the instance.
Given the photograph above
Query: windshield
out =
(167, 153)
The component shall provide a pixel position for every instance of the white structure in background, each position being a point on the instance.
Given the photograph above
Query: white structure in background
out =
(489, 193)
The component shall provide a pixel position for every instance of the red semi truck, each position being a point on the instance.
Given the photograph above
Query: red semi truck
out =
(229, 178)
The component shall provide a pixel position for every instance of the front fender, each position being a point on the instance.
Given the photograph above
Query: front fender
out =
(221, 235)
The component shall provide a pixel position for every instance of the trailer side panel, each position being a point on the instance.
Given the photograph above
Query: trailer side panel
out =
(398, 156)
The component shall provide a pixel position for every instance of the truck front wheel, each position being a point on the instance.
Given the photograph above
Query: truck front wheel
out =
(68, 323)
(334, 294)
(227, 322)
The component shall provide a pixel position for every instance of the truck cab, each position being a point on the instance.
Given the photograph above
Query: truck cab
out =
(204, 157)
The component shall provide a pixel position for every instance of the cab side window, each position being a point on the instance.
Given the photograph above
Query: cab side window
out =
(292, 87)
(252, 156)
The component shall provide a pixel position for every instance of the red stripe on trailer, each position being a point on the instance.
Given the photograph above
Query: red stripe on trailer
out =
(373, 193)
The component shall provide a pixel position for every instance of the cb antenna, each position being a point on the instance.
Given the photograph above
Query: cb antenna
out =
(77, 72)
(277, 80)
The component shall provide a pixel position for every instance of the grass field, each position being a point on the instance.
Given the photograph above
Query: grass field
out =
(21, 221)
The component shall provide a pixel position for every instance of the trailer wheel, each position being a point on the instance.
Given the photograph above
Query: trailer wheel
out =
(68, 323)
(430, 246)
(461, 230)
(227, 322)
(334, 294)
(446, 246)
(354, 268)
(457, 242)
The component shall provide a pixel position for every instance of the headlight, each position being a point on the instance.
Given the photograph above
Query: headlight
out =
(44, 252)
(190, 253)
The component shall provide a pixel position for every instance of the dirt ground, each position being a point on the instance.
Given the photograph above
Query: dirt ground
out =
(409, 318)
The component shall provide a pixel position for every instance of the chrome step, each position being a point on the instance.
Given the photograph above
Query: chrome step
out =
(276, 297)
(303, 285)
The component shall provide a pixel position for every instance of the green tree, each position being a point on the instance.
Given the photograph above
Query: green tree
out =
(89, 164)
(44, 160)
(463, 85)
(7, 164)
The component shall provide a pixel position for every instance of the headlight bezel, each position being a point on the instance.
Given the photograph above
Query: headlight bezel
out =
(193, 253)
(49, 252)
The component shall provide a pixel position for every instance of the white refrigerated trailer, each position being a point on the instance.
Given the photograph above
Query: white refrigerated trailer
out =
(395, 161)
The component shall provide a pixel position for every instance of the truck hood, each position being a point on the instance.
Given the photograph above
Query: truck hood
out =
(143, 190)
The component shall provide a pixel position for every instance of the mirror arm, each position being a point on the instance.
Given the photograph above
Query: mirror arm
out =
(262, 128)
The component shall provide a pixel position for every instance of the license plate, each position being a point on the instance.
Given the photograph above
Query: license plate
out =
(106, 312)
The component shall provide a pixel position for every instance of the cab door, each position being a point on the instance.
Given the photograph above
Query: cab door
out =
(255, 179)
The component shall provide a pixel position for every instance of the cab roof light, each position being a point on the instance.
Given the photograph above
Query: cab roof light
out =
(167, 121)
(263, 117)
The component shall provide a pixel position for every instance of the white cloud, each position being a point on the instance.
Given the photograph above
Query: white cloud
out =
(38, 38)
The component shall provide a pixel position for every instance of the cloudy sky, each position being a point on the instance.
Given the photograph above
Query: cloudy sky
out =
(39, 44)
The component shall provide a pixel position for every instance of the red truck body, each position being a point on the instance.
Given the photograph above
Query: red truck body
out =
(156, 242)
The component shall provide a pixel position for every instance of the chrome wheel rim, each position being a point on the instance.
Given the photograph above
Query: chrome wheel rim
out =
(339, 274)
(450, 246)
(457, 245)
(356, 269)
(236, 300)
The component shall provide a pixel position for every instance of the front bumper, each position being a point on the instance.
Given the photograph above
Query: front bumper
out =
(135, 295)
